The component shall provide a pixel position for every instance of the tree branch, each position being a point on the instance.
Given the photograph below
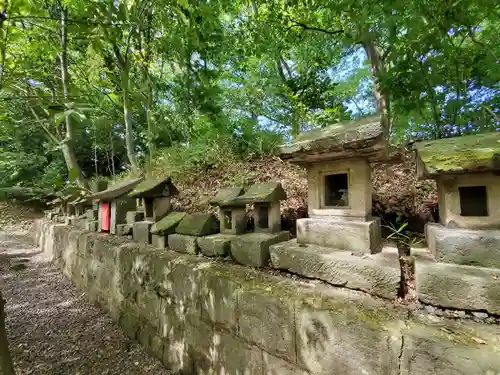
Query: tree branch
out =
(313, 28)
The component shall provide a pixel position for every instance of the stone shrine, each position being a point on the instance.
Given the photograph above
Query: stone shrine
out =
(232, 214)
(155, 203)
(114, 203)
(338, 159)
(466, 170)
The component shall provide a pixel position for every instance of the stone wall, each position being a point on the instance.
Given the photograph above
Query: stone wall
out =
(201, 316)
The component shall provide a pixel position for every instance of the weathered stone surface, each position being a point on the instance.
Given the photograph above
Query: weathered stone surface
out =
(159, 241)
(117, 190)
(168, 224)
(225, 196)
(124, 229)
(345, 334)
(141, 231)
(465, 247)
(459, 287)
(215, 245)
(219, 301)
(252, 249)
(266, 319)
(237, 357)
(260, 193)
(150, 339)
(92, 214)
(183, 244)
(277, 366)
(341, 234)
(198, 224)
(92, 225)
(134, 216)
(370, 273)
(462, 350)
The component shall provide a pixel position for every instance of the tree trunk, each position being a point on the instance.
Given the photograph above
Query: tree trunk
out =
(6, 366)
(381, 96)
(127, 115)
(67, 144)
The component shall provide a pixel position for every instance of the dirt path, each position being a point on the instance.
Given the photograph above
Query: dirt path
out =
(51, 327)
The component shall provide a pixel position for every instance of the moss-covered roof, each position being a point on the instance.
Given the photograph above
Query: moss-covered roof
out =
(153, 188)
(168, 224)
(340, 140)
(268, 192)
(116, 190)
(469, 153)
(227, 196)
(198, 224)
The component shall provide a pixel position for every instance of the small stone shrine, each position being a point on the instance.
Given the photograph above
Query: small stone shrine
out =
(155, 202)
(232, 214)
(338, 159)
(467, 174)
(114, 203)
(252, 249)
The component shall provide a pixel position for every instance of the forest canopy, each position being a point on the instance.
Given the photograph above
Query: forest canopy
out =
(90, 89)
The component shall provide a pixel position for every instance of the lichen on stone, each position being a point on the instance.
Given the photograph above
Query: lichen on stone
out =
(198, 224)
(262, 193)
(469, 153)
(226, 196)
(168, 224)
(152, 188)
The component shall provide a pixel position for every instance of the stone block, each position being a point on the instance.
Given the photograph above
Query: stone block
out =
(134, 216)
(202, 348)
(467, 247)
(183, 243)
(130, 322)
(252, 249)
(459, 287)
(371, 273)
(237, 357)
(465, 349)
(168, 224)
(92, 214)
(267, 320)
(342, 233)
(198, 224)
(149, 306)
(347, 335)
(150, 339)
(219, 300)
(159, 241)
(277, 366)
(141, 231)
(92, 225)
(216, 245)
(124, 230)
(176, 349)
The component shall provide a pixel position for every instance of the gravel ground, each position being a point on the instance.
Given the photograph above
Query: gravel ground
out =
(52, 329)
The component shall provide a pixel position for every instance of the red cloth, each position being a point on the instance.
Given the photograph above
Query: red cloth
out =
(105, 215)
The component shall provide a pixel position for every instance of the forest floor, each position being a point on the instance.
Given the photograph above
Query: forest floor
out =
(51, 327)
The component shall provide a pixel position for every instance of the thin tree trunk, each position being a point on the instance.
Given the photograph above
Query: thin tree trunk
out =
(380, 95)
(112, 152)
(67, 144)
(127, 115)
(6, 365)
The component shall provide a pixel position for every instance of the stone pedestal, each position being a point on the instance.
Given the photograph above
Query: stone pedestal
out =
(159, 241)
(470, 247)
(183, 243)
(134, 216)
(216, 244)
(141, 231)
(252, 249)
(352, 234)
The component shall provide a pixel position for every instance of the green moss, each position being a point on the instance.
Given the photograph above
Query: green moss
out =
(467, 153)
(198, 224)
(168, 224)
(335, 135)
(117, 190)
(226, 196)
(268, 192)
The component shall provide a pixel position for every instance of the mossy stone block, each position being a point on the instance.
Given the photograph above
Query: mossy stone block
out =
(168, 224)
(198, 224)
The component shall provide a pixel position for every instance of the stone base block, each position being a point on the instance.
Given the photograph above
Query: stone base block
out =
(459, 287)
(183, 243)
(468, 247)
(159, 241)
(123, 230)
(92, 214)
(216, 245)
(376, 274)
(134, 216)
(141, 231)
(252, 249)
(92, 225)
(341, 233)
